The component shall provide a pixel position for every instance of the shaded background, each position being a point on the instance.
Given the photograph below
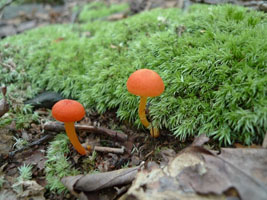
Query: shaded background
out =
(17, 16)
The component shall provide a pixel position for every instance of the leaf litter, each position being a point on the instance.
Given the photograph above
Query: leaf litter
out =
(198, 173)
(98, 181)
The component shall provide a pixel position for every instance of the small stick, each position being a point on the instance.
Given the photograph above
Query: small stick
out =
(109, 149)
(58, 127)
(121, 190)
(37, 142)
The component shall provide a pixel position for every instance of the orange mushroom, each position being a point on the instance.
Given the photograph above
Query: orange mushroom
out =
(69, 111)
(145, 83)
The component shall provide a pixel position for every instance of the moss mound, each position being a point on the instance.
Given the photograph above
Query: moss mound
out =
(99, 10)
(212, 60)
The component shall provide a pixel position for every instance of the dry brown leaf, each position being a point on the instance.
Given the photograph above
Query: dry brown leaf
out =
(215, 176)
(6, 141)
(29, 190)
(6, 194)
(98, 181)
(37, 158)
(197, 173)
(200, 140)
(252, 162)
(4, 107)
(70, 181)
(162, 183)
(84, 186)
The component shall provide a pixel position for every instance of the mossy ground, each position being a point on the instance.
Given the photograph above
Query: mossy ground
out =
(99, 10)
(212, 60)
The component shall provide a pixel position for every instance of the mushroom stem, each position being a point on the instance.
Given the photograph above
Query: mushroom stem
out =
(154, 132)
(71, 133)
(142, 111)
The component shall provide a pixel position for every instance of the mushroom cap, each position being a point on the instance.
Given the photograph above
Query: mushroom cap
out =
(68, 110)
(145, 82)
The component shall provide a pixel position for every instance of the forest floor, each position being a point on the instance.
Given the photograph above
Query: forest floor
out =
(131, 147)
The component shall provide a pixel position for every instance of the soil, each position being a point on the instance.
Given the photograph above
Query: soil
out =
(139, 147)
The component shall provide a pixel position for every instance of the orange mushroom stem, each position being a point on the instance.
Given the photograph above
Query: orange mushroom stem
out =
(71, 133)
(154, 132)
(142, 111)
(69, 111)
(145, 83)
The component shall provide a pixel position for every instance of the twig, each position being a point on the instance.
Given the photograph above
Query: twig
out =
(121, 190)
(58, 127)
(109, 149)
(37, 142)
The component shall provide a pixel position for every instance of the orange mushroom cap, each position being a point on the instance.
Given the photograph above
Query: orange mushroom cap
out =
(68, 110)
(145, 82)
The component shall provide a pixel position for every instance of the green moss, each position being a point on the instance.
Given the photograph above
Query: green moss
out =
(98, 10)
(212, 60)
(57, 165)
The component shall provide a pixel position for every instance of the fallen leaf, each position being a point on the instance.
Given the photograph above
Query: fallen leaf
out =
(6, 141)
(4, 107)
(37, 158)
(88, 184)
(7, 195)
(200, 140)
(94, 182)
(197, 173)
(166, 156)
(70, 181)
(215, 176)
(252, 162)
(29, 190)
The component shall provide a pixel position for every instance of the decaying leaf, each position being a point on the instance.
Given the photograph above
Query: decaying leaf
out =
(7, 195)
(29, 190)
(216, 175)
(250, 161)
(80, 184)
(200, 140)
(197, 173)
(6, 141)
(37, 158)
(4, 107)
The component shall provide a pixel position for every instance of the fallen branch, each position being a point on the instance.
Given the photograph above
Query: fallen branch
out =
(58, 127)
(109, 149)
